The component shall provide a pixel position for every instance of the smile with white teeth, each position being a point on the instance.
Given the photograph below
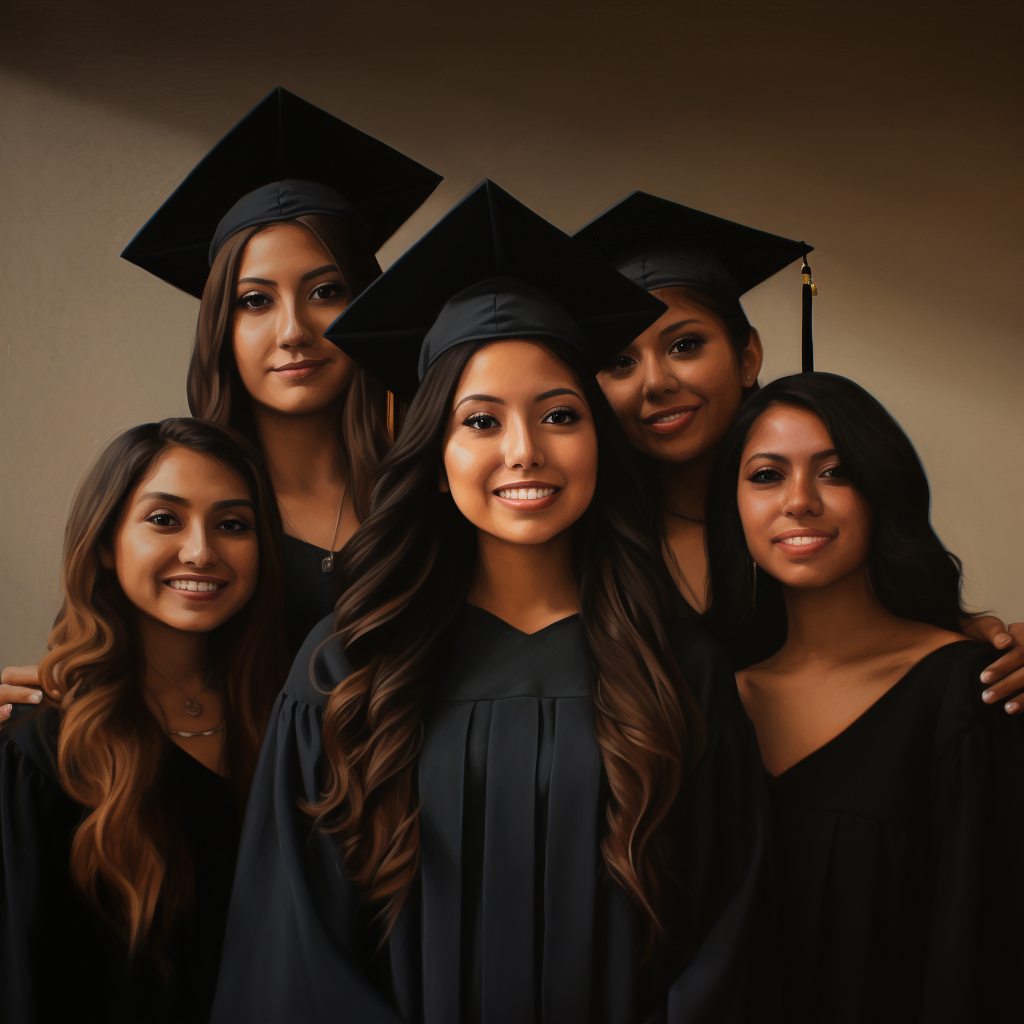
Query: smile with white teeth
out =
(803, 539)
(201, 585)
(526, 493)
(671, 417)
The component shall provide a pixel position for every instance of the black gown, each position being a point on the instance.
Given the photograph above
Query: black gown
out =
(899, 845)
(60, 962)
(309, 592)
(512, 918)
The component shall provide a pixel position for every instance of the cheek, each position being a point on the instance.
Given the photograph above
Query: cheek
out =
(138, 559)
(250, 342)
(577, 458)
(854, 514)
(757, 513)
(722, 386)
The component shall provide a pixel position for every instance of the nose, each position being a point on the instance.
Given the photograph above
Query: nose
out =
(196, 550)
(802, 497)
(657, 378)
(521, 449)
(293, 332)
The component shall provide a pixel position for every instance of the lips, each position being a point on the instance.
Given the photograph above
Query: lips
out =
(665, 421)
(196, 588)
(301, 368)
(802, 542)
(528, 495)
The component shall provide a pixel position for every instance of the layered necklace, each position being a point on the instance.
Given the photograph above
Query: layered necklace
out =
(328, 563)
(192, 706)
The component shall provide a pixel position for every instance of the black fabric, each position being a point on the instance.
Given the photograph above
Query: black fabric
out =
(61, 963)
(899, 846)
(354, 176)
(440, 293)
(309, 592)
(513, 917)
(657, 244)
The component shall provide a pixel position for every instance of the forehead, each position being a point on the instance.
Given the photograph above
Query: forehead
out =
(280, 243)
(510, 369)
(787, 430)
(192, 475)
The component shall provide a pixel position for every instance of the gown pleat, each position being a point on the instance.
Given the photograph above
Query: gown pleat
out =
(512, 916)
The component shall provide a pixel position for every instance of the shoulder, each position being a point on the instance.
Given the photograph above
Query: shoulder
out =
(30, 737)
(318, 667)
(708, 674)
(953, 672)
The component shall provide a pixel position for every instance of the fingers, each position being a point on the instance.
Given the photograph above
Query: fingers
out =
(988, 629)
(19, 694)
(20, 675)
(5, 713)
(1004, 678)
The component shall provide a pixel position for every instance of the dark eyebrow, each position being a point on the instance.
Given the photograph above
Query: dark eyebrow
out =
(479, 398)
(176, 499)
(320, 270)
(675, 327)
(817, 456)
(256, 280)
(557, 391)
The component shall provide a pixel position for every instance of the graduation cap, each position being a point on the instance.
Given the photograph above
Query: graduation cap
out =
(285, 158)
(661, 244)
(491, 269)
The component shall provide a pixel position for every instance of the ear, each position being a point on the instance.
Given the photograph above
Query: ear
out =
(106, 557)
(751, 359)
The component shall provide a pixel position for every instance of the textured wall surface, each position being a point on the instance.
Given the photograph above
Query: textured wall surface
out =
(887, 136)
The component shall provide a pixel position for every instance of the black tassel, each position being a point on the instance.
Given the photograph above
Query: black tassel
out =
(806, 334)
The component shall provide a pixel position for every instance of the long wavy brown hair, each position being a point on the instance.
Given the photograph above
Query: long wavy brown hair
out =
(215, 388)
(408, 570)
(128, 856)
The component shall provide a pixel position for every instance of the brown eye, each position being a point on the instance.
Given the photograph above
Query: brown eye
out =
(253, 300)
(683, 346)
(481, 421)
(765, 476)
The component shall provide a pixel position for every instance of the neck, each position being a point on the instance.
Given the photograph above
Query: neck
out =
(835, 623)
(180, 655)
(303, 453)
(685, 485)
(528, 585)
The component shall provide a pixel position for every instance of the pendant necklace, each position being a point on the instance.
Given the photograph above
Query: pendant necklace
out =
(192, 706)
(328, 563)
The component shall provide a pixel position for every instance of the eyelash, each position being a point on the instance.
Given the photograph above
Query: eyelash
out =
(243, 301)
(836, 471)
(479, 417)
(241, 524)
(695, 340)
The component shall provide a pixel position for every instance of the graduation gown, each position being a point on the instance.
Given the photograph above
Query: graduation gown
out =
(309, 592)
(898, 845)
(512, 917)
(60, 962)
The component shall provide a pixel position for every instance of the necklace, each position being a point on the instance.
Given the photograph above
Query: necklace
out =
(192, 707)
(683, 516)
(328, 563)
(696, 602)
(193, 735)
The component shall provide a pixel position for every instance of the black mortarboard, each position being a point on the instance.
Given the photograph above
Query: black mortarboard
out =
(661, 244)
(285, 158)
(490, 269)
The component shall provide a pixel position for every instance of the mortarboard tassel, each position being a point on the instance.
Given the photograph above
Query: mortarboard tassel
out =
(391, 417)
(807, 338)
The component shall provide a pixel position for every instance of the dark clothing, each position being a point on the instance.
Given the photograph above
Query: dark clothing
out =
(60, 961)
(309, 592)
(512, 917)
(899, 844)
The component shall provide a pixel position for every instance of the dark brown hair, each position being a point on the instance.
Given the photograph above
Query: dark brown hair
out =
(215, 388)
(127, 856)
(408, 570)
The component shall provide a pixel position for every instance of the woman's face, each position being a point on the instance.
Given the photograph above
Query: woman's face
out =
(520, 457)
(804, 522)
(185, 549)
(677, 388)
(289, 292)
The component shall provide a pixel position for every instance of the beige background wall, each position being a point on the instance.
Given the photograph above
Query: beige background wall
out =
(888, 136)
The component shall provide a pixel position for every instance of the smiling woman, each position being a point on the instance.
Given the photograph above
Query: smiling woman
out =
(897, 816)
(121, 799)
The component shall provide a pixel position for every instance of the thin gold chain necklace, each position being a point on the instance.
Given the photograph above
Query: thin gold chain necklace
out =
(328, 563)
(192, 706)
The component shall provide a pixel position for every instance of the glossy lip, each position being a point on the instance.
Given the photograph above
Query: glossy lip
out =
(528, 504)
(803, 550)
(195, 595)
(686, 414)
(302, 368)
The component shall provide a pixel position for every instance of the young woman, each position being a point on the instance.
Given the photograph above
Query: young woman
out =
(678, 387)
(897, 815)
(477, 798)
(275, 232)
(121, 800)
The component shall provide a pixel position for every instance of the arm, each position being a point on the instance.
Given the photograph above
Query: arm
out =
(1003, 679)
